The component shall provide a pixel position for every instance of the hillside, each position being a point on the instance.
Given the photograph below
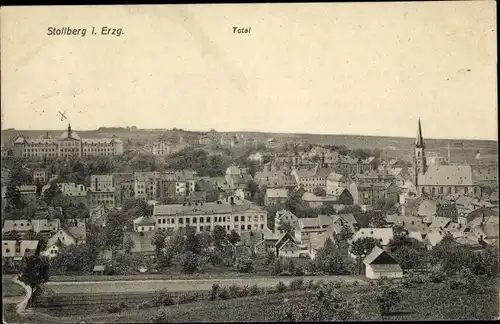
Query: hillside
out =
(391, 147)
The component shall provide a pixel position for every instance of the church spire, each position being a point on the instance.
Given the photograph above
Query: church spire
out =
(420, 139)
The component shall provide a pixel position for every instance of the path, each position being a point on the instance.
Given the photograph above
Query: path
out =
(141, 286)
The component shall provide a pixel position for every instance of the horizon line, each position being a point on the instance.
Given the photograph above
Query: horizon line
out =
(234, 131)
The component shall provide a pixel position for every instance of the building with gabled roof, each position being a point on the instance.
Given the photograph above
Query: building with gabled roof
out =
(382, 234)
(379, 263)
(287, 246)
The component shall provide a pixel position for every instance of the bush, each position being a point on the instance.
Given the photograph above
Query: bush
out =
(276, 267)
(355, 283)
(387, 299)
(214, 291)
(437, 276)
(163, 298)
(309, 285)
(187, 297)
(224, 294)
(299, 271)
(145, 305)
(116, 308)
(297, 284)
(337, 284)
(254, 290)
(162, 316)
(407, 283)
(281, 287)
(318, 284)
(243, 264)
(384, 281)
(465, 280)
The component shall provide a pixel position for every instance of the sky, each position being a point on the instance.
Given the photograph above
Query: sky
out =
(340, 68)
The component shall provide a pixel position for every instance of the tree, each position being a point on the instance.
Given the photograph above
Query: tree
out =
(361, 247)
(332, 261)
(158, 241)
(219, 235)
(13, 196)
(191, 240)
(51, 193)
(270, 258)
(129, 245)
(253, 187)
(377, 219)
(318, 191)
(286, 227)
(343, 236)
(36, 271)
(260, 195)
(234, 237)
(189, 262)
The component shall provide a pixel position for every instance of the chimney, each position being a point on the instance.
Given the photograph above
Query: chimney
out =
(482, 220)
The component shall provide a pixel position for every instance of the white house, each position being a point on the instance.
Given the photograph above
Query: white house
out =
(380, 264)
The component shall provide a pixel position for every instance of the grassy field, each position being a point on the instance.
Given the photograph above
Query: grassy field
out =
(11, 289)
(426, 302)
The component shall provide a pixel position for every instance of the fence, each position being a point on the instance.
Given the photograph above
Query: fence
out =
(82, 300)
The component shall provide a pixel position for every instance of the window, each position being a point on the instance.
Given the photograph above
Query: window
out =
(208, 219)
(194, 220)
(236, 218)
(242, 227)
(249, 227)
(261, 226)
(224, 219)
(242, 218)
(201, 228)
(7, 250)
(181, 221)
(159, 221)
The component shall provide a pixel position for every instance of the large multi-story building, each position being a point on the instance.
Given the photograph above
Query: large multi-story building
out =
(205, 216)
(68, 144)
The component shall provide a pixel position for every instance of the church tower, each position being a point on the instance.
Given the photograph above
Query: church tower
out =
(420, 160)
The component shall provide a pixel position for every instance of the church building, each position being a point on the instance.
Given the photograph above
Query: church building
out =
(440, 180)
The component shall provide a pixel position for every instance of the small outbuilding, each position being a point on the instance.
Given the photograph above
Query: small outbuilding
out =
(379, 264)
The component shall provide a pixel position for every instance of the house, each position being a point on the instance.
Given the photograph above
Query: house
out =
(287, 246)
(39, 226)
(141, 242)
(52, 250)
(427, 208)
(40, 175)
(382, 234)
(335, 181)
(316, 243)
(275, 196)
(144, 224)
(97, 212)
(27, 191)
(465, 219)
(267, 243)
(433, 238)
(380, 264)
(68, 236)
(307, 228)
(17, 250)
(285, 216)
(446, 208)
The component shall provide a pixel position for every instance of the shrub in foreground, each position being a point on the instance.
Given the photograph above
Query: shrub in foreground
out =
(224, 294)
(324, 304)
(387, 299)
(163, 298)
(254, 290)
(214, 291)
(297, 284)
(281, 287)
(162, 316)
(187, 297)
